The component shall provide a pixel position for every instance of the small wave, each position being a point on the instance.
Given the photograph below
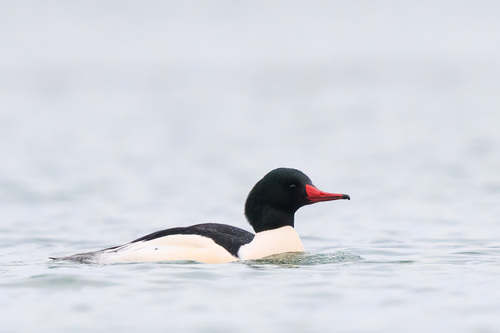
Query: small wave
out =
(58, 281)
(308, 259)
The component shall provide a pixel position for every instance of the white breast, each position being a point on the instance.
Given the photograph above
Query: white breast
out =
(173, 247)
(266, 243)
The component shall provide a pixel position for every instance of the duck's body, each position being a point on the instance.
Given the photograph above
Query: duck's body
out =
(270, 209)
(209, 243)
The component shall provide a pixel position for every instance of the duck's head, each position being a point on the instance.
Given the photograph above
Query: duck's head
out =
(274, 200)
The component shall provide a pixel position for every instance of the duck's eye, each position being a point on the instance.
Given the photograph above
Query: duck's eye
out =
(292, 186)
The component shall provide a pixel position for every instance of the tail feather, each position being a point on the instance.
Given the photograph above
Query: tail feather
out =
(87, 257)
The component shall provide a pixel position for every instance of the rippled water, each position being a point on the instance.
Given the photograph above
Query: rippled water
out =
(118, 120)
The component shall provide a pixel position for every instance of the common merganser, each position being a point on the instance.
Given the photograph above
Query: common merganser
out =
(270, 208)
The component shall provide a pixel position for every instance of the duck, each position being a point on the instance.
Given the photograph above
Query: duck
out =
(269, 209)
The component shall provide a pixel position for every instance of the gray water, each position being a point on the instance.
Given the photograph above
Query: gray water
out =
(121, 118)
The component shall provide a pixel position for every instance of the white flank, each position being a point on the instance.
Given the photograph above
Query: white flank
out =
(266, 243)
(173, 247)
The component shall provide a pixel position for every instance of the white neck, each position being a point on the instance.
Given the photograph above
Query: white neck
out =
(269, 242)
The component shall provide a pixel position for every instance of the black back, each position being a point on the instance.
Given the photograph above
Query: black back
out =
(229, 237)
